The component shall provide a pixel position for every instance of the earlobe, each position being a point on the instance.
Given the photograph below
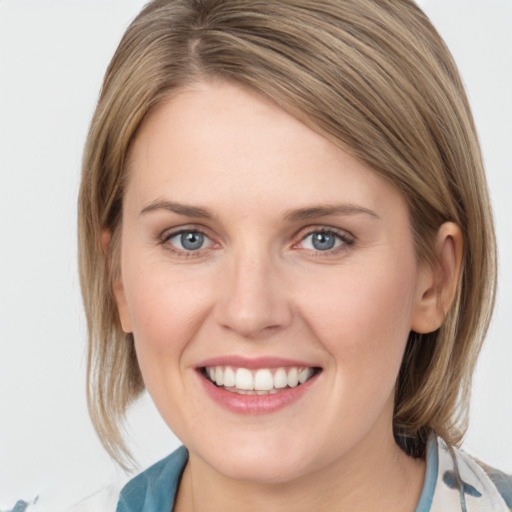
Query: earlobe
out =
(117, 288)
(437, 283)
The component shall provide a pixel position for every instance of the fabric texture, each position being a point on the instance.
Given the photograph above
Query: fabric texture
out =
(154, 490)
(454, 482)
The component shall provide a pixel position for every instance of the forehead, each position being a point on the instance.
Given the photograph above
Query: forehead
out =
(219, 140)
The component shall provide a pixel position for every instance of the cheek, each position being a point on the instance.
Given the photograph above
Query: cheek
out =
(363, 318)
(166, 310)
(166, 314)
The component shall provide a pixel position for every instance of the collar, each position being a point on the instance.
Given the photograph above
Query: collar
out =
(454, 481)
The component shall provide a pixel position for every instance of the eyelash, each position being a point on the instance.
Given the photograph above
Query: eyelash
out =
(166, 237)
(346, 239)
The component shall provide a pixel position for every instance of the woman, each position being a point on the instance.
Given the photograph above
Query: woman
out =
(286, 239)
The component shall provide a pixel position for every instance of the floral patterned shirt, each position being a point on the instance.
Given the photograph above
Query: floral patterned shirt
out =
(455, 481)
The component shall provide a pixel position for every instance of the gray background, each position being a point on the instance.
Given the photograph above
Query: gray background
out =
(52, 58)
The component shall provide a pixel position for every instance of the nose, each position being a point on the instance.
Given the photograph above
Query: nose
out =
(254, 301)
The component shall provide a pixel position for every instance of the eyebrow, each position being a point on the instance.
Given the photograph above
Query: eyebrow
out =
(291, 215)
(180, 209)
(323, 211)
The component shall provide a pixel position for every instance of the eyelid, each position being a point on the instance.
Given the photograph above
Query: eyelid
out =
(347, 238)
(172, 232)
(168, 234)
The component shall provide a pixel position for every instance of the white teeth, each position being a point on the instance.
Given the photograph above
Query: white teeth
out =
(243, 379)
(219, 376)
(280, 378)
(305, 374)
(293, 377)
(262, 381)
(229, 377)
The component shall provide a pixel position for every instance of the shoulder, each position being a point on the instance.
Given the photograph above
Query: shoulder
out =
(501, 481)
(475, 484)
(103, 500)
(154, 488)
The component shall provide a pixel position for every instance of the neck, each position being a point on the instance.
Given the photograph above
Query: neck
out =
(375, 475)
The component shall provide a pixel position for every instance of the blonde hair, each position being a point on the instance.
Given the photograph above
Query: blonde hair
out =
(375, 78)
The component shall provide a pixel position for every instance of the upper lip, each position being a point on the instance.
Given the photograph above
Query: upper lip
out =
(254, 362)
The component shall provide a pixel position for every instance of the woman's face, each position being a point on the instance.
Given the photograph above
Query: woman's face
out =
(255, 252)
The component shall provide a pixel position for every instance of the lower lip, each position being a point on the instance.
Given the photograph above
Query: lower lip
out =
(256, 404)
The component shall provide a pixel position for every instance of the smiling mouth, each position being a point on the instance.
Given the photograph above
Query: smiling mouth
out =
(263, 381)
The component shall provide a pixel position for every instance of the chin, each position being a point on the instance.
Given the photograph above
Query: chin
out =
(262, 470)
(265, 463)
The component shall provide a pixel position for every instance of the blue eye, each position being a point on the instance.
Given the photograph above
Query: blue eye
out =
(322, 241)
(189, 240)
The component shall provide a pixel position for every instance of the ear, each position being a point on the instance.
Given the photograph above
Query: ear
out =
(437, 283)
(118, 288)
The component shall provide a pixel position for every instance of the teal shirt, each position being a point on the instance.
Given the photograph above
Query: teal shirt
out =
(155, 489)
(454, 482)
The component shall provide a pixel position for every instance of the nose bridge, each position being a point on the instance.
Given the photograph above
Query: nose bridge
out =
(253, 301)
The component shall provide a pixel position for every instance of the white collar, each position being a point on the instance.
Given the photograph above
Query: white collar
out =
(456, 482)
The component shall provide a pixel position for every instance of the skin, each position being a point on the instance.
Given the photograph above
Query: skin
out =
(258, 287)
